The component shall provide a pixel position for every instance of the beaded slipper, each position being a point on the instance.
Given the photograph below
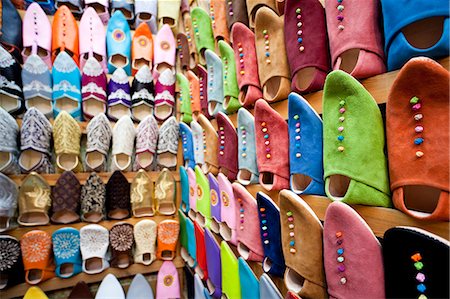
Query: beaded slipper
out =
(194, 87)
(210, 145)
(247, 163)
(37, 255)
(66, 247)
(145, 238)
(236, 13)
(215, 83)
(203, 32)
(121, 240)
(188, 145)
(230, 85)
(184, 183)
(184, 98)
(228, 151)
(197, 136)
(218, 14)
(94, 242)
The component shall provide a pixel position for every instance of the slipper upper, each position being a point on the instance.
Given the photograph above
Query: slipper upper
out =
(184, 183)
(230, 84)
(118, 41)
(118, 194)
(213, 260)
(183, 55)
(201, 251)
(228, 151)
(203, 196)
(36, 79)
(66, 249)
(248, 279)
(203, 33)
(65, 34)
(8, 202)
(231, 286)
(215, 82)
(218, 14)
(228, 208)
(168, 136)
(214, 198)
(184, 98)
(66, 195)
(168, 284)
(197, 137)
(99, 134)
(247, 147)
(202, 75)
(267, 288)
(164, 47)
(210, 145)
(93, 84)
(236, 11)
(188, 145)
(93, 197)
(92, 37)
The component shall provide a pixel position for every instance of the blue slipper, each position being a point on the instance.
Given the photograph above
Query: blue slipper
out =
(66, 248)
(188, 145)
(215, 83)
(214, 281)
(118, 43)
(192, 245)
(268, 289)
(248, 167)
(215, 203)
(248, 279)
(184, 182)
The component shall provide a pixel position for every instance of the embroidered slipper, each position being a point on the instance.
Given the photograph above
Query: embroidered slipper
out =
(249, 244)
(267, 288)
(203, 32)
(121, 240)
(168, 143)
(183, 56)
(145, 238)
(202, 75)
(301, 234)
(99, 134)
(305, 34)
(146, 11)
(168, 13)
(93, 89)
(34, 201)
(94, 242)
(305, 147)
(247, 72)
(11, 266)
(273, 161)
(247, 163)
(273, 70)
(218, 14)
(248, 279)
(270, 230)
(165, 95)
(215, 83)
(118, 196)
(101, 7)
(203, 204)
(192, 213)
(343, 229)
(142, 195)
(214, 281)
(80, 290)
(93, 199)
(184, 98)
(164, 51)
(184, 184)
(197, 137)
(146, 140)
(168, 284)
(92, 39)
(210, 145)
(66, 195)
(188, 145)
(347, 109)
(165, 193)
(65, 34)
(118, 43)
(110, 287)
(11, 30)
(37, 39)
(194, 87)
(11, 87)
(228, 210)
(66, 94)
(201, 269)
(126, 7)
(66, 247)
(8, 204)
(9, 148)
(418, 170)
(231, 286)
(168, 231)
(236, 12)
(143, 100)
(228, 151)
(119, 95)
(355, 37)
(139, 285)
(36, 246)
(254, 5)
(423, 33)
(35, 293)
(124, 134)
(214, 195)
(230, 86)
(67, 138)
(142, 48)
(35, 143)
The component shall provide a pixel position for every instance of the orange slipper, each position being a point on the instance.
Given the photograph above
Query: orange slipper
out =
(65, 34)
(168, 231)
(142, 48)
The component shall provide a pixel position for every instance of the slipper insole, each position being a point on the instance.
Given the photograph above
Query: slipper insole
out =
(119, 110)
(212, 106)
(3, 281)
(93, 106)
(41, 104)
(41, 52)
(94, 263)
(4, 159)
(94, 159)
(267, 178)
(122, 160)
(148, 211)
(34, 218)
(66, 104)
(272, 87)
(147, 257)
(30, 158)
(144, 16)
(67, 161)
(98, 7)
(226, 101)
(338, 185)
(4, 223)
(245, 175)
(118, 60)
(304, 77)
(349, 60)
(425, 33)
(421, 198)
(215, 226)
(123, 260)
(118, 214)
(93, 217)
(65, 217)
(167, 208)
(167, 160)
(141, 111)
(300, 181)
(145, 159)
(167, 255)
(34, 276)
(294, 281)
(140, 62)
(225, 231)
(66, 270)
(8, 103)
(125, 12)
(168, 21)
(244, 251)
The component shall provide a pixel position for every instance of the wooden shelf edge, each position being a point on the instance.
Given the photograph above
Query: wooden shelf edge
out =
(59, 283)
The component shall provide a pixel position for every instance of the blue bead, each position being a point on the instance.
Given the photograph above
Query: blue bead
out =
(418, 141)
(340, 137)
(264, 221)
(291, 243)
(267, 54)
(297, 145)
(242, 210)
(300, 39)
(421, 288)
(241, 55)
(340, 251)
(266, 136)
(222, 147)
(339, 1)
(244, 149)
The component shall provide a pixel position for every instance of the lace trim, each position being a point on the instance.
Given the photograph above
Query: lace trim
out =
(143, 94)
(4, 83)
(120, 76)
(144, 75)
(6, 58)
(64, 63)
(37, 86)
(65, 86)
(119, 94)
(35, 65)
(165, 95)
(167, 78)
(92, 67)
(91, 87)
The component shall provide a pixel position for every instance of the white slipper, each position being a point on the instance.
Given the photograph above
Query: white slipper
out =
(145, 238)
(110, 288)
(94, 242)
(140, 288)
(123, 144)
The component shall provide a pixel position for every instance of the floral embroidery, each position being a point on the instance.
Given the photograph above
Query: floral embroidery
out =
(94, 240)
(168, 232)
(93, 195)
(168, 137)
(121, 237)
(66, 245)
(92, 67)
(168, 280)
(9, 253)
(36, 131)
(36, 246)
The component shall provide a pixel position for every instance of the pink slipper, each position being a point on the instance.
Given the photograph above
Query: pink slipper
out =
(228, 207)
(92, 38)
(168, 284)
(164, 50)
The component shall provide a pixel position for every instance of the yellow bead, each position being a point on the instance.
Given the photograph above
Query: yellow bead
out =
(341, 148)
(268, 156)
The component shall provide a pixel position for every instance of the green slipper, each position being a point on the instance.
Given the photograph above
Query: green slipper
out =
(203, 198)
(184, 98)
(203, 32)
(231, 285)
(355, 166)
(230, 84)
(183, 235)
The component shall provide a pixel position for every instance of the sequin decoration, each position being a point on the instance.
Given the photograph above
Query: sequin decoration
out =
(340, 258)
(241, 213)
(301, 47)
(420, 276)
(340, 17)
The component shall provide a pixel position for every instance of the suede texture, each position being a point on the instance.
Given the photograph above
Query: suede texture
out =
(254, 5)
(227, 144)
(214, 195)
(218, 13)
(228, 207)
(246, 65)
(247, 228)
(345, 229)
(408, 251)
(184, 183)
(398, 14)
(272, 147)
(231, 286)
(202, 75)
(267, 288)
(307, 44)
(203, 33)
(214, 265)
(191, 245)
(183, 230)
(202, 268)
(191, 41)
(305, 145)
(197, 136)
(362, 158)
(203, 198)
(192, 193)
(356, 27)
(210, 141)
(237, 12)
(248, 280)
(426, 80)
(183, 55)
(215, 83)
(247, 162)
(301, 234)
(230, 85)
(194, 87)
(270, 230)
(273, 67)
(184, 98)
(188, 145)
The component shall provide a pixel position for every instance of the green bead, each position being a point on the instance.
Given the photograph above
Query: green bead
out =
(289, 213)
(264, 31)
(296, 117)
(242, 127)
(342, 103)
(414, 100)
(418, 265)
(298, 10)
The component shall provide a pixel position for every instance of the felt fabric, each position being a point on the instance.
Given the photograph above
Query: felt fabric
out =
(210, 145)
(273, 67)
(361, 253)
(248, 280)
(66, 248)
(301, 234)
(419, 172)
(415, 263)
(203, 198)
(188, 145)
(228, 207)
(194, 89)
(169, 10)
(356, 27)
(231, 286)
(230, 85)
(203, 33)
(164, 47)
(168, 283)
(248, 167)
(249, 244)
(202, 267)
(270, 230)
(202, 75)
(214, 194)
(254, 5)
(305, 34)
(214, 281)
(267, 288)
(183, 56)
(184, 183)
(215, 83)
(305, 147)
(227, 144)
(118, 41)
(192, 246)
(399, 14)
(65, 34)
(218, 14)
(142, 47)
(192, 193)
(245, 58)
(272, 146)
(184, 98)
(198, 141)
(350, 154)
(236, 12)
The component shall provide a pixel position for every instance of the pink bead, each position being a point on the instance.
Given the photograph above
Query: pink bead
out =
(290, 219)
(266, 36)
(267, 47)
(268, 150)
(291, 234)
(242, 220)
(297, 137)
(265, 235)
(267, 142)
(420, 277)
(297, 125)
(419, 129)
(241, 60)
(231, 13)
(342, 110)
(341, 129)
(299, 17)
(300, 32)
(416, 107)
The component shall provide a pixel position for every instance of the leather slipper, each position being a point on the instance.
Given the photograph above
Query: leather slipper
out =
(118, 196)
(37, 255)
(145, 238)
(142, 195)
(66, 248)
(121, 240)
(94, 242)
